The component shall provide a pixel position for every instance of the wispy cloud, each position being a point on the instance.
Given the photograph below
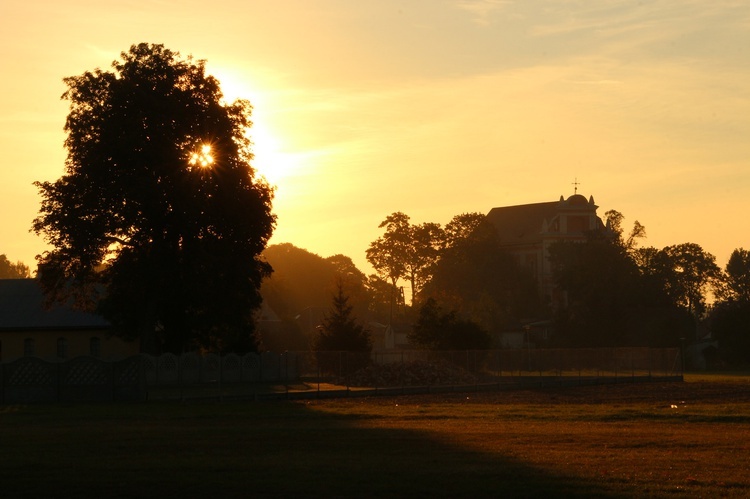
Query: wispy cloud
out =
(482, 10)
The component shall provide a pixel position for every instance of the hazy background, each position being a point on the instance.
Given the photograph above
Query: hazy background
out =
(429, 107)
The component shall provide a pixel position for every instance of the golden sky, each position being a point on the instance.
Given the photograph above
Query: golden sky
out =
(430, 107)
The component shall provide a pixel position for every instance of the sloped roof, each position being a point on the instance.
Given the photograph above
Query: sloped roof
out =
(522, 224)
(22, 308)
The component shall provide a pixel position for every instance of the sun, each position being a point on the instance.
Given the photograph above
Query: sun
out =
(270, 160)
(202, 158)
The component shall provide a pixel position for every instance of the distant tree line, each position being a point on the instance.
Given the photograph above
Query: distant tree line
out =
(10, 270)
(611, 291)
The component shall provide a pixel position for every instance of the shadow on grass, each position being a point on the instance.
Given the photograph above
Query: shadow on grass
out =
(275, 449)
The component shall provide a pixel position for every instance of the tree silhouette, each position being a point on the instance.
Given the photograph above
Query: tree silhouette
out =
(735, 285)
(479, 279)
(406, 251)
(10, 270)
(159, 219)
(342, 345)
(730, 315)
(339, 331)
(691, 272)
(436, 329)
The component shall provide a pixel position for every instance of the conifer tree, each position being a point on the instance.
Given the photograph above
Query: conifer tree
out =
(339, 330)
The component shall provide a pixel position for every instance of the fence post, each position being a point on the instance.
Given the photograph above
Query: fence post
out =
(112, 381)
(614, 354)
(682, 358)
(59, 382)
(221, 377)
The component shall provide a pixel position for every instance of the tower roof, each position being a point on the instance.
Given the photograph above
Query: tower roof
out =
(527, 223)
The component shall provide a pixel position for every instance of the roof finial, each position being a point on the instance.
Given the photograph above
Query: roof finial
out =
(576, 183)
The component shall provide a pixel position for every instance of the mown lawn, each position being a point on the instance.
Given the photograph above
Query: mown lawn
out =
(651, 440)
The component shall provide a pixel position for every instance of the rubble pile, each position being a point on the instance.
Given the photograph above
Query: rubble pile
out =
(412, 373)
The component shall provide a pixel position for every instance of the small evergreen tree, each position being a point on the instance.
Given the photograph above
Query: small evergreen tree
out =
(339, 331)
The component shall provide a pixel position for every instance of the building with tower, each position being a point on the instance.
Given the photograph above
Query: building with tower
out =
(527, 231)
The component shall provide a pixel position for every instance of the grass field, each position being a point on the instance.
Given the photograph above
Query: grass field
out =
(688, 439)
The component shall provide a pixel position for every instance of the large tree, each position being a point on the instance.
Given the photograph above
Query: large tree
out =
(478, 279)
(614, 224)
(406, 251)
(159, 218)
(600, 282)
(730, 315)
(692, 272)
(735, 282)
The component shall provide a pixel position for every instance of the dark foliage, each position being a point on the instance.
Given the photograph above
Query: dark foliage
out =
(406, 251)
(730, 316)
(340, 333)
(299, 292)
(436, 329)
(479, 279)
(736, 282)
(339, 330)
(162, 236)
(621, 297)
(302, 279)
(730, 325)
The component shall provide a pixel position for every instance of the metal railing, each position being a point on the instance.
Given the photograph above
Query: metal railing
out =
(305, 374)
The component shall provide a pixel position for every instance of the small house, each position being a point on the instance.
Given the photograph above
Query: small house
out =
(59, 332)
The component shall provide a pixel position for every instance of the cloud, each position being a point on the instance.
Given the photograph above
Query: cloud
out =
(482, 10)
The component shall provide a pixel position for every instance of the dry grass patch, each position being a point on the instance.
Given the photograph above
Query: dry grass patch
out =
(658, 440)
(648, 440)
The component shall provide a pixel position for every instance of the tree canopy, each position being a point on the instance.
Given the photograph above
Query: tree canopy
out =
(438, 329)
(406, 251)
(730, 315)
(10, 270)
(159, 219)
(735, 285)
(617, 294)
(339, 330)
(480, 280)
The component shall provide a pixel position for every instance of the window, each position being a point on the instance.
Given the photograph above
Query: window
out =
(28, 347)
(95, 346)
(578, 224)
(62, 348)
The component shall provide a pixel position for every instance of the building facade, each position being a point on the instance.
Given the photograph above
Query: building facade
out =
(527, 232)
(30, 329)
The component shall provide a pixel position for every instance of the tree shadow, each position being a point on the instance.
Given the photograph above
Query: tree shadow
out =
(264, 449)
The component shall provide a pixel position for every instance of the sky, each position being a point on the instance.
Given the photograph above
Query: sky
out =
(429, 107)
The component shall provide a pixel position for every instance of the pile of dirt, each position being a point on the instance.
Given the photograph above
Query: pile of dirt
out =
(413, 373)
(658, 394)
